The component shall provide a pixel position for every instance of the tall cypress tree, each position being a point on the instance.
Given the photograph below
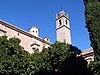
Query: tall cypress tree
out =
(92, 17)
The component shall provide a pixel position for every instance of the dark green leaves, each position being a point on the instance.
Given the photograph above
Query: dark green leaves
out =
(92, 16)
(59, 58)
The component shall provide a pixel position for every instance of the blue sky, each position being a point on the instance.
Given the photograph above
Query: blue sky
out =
(42, 13)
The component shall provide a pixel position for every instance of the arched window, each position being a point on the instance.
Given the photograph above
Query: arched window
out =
(18, 34)
(66, 21)
(59, 22)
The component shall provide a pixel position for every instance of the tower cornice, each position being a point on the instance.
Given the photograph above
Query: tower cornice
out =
(63, 26)
(58, 17)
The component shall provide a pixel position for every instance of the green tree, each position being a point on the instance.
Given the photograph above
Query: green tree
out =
(92, 16)
(13, 58)
(60, 59)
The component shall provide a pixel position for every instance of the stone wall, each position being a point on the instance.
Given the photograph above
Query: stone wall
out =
(88, 54)
(28, 41)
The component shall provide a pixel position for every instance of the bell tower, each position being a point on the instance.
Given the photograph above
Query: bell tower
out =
(63, 27)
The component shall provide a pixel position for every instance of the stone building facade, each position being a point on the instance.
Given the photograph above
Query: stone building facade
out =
(31, 41)
(88, 54)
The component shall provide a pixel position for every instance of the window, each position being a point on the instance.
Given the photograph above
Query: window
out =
(18, 34)
(34, 48)
(59, 22)
(66, 21)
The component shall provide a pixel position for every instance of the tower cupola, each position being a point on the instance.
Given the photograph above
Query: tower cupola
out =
(34, 31)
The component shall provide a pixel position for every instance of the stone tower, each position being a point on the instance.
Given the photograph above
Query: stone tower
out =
(63, 27)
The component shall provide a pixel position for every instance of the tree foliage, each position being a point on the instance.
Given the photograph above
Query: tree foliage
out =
(92, 9)
(92, 16)
(61, 59)
(58, 59)
(13, 58)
